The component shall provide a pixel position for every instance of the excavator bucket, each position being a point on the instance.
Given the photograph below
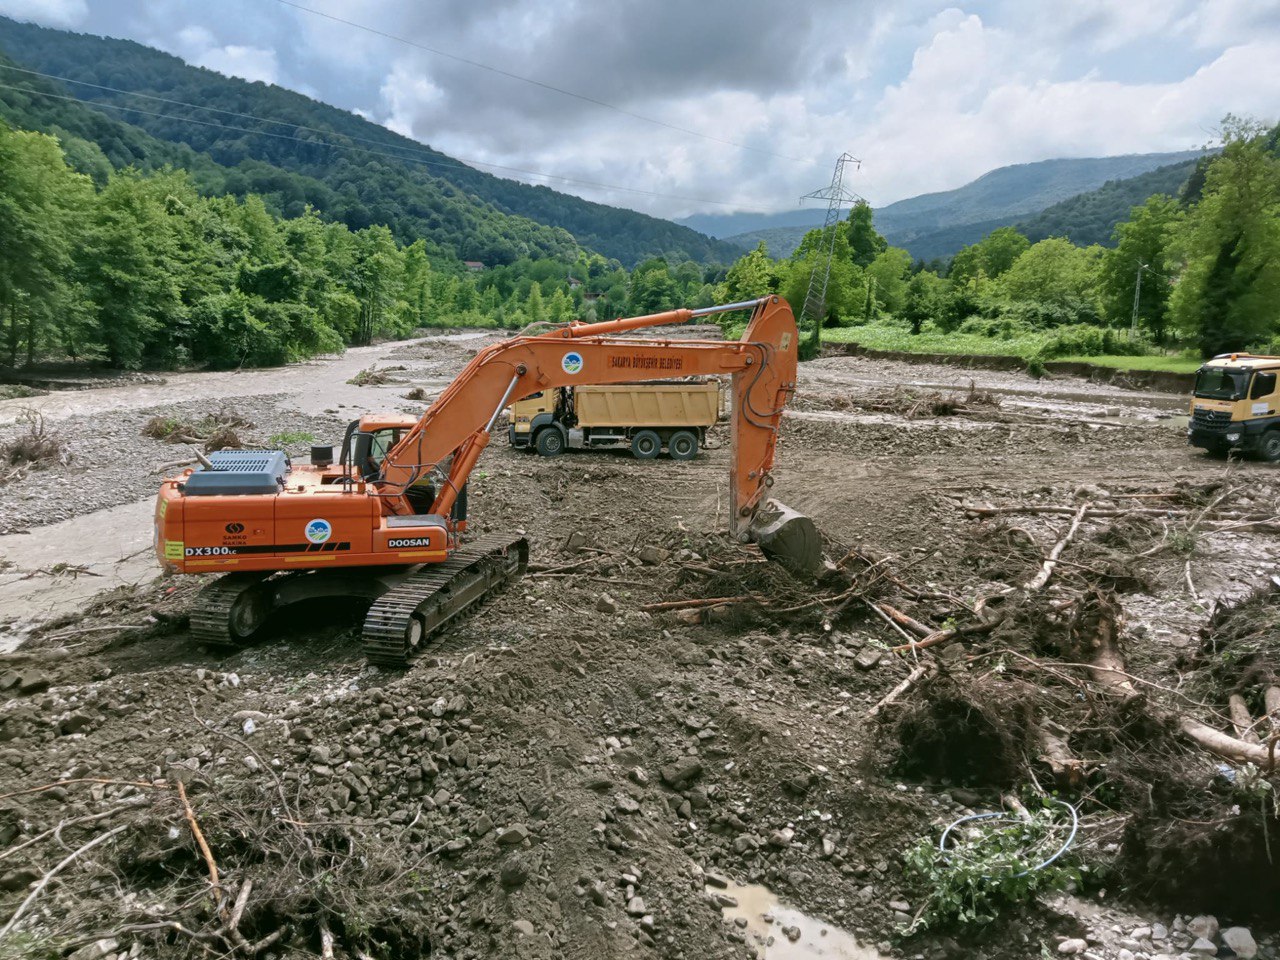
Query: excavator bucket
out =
(788, 537)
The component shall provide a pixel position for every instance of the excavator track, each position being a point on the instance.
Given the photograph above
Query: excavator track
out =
(399, 624)
(229, 610)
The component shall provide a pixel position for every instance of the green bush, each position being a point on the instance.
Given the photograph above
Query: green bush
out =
(1084, 340)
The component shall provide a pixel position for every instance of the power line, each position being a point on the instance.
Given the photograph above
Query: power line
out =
(408, 158)
(537, 83)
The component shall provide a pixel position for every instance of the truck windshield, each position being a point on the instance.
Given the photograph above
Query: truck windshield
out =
(1216, 383)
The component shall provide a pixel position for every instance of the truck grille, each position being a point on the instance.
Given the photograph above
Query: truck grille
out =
(1216, 420)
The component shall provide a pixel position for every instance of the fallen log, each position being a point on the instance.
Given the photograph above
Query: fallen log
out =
(1241, 719)
(690, 604)
(1046, 569)
(913, 678)
(1227, 747)
(942, 636)
(1068, 770)
(904, 620)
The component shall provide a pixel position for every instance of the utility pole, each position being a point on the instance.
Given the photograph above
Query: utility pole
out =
(815, 299)
(1137, 296)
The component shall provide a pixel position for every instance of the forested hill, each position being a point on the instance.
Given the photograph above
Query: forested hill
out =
(349, 169)
(1092, 217)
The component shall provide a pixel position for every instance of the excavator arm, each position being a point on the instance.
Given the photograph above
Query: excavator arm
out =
(457, 424)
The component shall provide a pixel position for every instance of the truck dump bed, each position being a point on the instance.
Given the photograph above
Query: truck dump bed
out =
(648, 405)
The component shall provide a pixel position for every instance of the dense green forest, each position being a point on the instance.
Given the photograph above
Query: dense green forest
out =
(1091, 217)
(1209, 260)
(141, 269)
(302, 152)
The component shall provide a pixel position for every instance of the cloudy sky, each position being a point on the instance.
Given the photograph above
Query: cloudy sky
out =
(927, 94)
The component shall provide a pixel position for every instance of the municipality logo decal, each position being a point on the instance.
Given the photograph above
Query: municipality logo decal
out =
(319, 531)
(572, 362)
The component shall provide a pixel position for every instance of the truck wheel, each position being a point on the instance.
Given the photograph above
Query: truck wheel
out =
(550, 442)
(1269, 445)
(646, 445)
(683, 445)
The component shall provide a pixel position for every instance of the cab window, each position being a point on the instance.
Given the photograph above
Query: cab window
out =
(1264, 384)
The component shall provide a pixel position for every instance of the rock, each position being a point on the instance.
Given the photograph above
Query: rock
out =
(1123, 954)
(523, 927)
(781, 839)
(628, 804)
(26, 682)
(1141, 933)
(868, 658)
(791, 933)
(1204, 948)
(900, 905)
(716, 880)
(1241, 941)
(577, 540)
(513, 835)
(635, 906)
(637, 775)
(680, 774)
(76, 723)
(482, 826)
(1204, 925)
(95, 951)
(606, 604)
(514, 873)
(1160, 932)
(18, 879)
(653, 555)
(724, 901)
(1073, 946)
(251, 762)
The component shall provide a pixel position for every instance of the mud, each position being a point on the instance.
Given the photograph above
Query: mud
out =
(562, 775)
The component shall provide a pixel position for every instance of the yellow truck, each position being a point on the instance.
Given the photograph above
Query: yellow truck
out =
(1236, 406)
(670, 414)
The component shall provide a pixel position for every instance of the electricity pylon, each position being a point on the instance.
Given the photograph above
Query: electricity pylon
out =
(815, 299)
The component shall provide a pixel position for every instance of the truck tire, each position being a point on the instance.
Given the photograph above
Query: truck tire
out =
(550, 442)
(1269, 445)
(646, 445)
(683, 445)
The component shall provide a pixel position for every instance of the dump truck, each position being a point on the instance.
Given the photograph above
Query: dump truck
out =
(385, 522)
(650, 417)
(1236, 406)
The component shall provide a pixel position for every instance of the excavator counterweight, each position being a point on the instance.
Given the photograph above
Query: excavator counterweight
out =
(386, 524)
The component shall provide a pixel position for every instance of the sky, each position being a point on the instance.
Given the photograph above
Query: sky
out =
(766, 94)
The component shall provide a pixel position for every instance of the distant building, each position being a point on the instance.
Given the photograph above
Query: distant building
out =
(589, 297)
(574, 283)
(475, 266)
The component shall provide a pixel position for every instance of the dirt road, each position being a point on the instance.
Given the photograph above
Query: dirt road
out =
(569, 774)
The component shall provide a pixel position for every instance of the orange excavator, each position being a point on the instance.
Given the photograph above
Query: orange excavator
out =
(386, 523)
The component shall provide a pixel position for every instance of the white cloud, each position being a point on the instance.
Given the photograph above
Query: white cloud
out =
(48, 13)
(248, 63)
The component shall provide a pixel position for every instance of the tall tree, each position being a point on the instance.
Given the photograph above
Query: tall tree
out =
(864, 243)
(42, 208)
(1142, 244)
(1226, 298)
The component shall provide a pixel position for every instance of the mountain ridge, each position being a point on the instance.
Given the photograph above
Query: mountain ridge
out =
(365, 184)
(997, 198)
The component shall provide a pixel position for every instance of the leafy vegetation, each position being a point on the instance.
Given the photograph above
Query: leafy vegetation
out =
(988, 866)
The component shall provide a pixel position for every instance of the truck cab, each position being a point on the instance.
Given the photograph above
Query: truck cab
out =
(1236, 406)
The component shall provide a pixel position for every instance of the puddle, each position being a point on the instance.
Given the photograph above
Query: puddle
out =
(817, 938)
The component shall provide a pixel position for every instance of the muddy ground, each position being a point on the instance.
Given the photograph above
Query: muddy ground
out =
(570, 775)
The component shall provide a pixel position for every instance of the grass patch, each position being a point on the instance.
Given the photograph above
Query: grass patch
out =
(1029, 347)
(1180, 363)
